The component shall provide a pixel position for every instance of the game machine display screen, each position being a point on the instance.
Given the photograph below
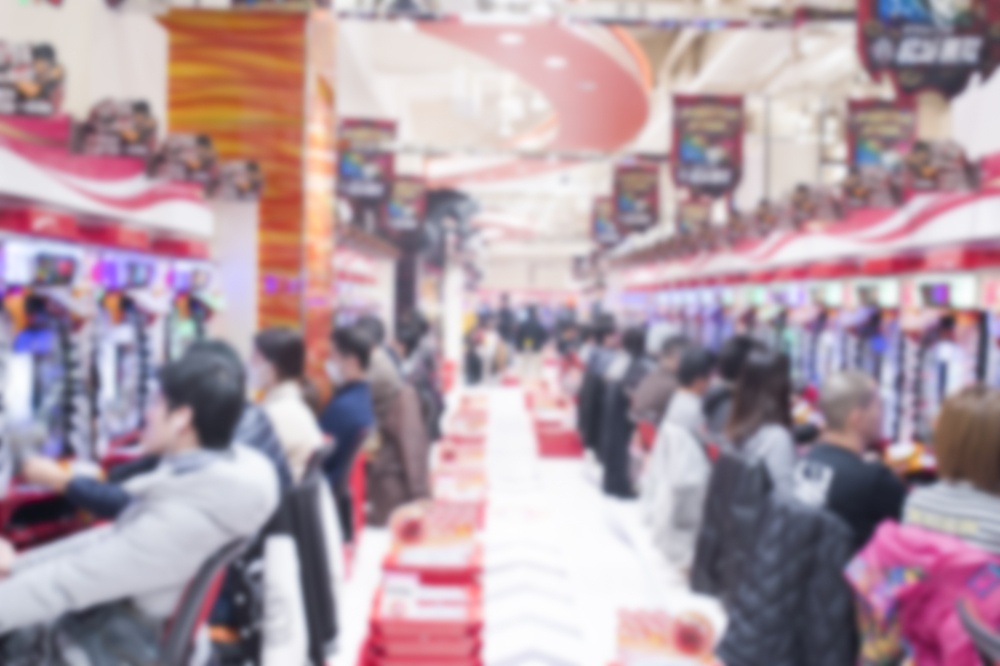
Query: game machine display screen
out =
(124, 358)
(875, 342)
(946, 335)
(46, 401)
(717, 326)
(194, 304)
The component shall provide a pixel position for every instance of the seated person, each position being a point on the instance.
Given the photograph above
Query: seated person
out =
(349, 415)
(833, 475)
(203, 495)
(108, 499)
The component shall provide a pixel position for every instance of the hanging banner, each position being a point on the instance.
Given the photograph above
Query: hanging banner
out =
(405, 210)
(603, 227)
(693, 215)
(879, 133)
(366, 166)
(31, 80)
(708, 143)
(929, 44)
(117, 128)
(637, 196)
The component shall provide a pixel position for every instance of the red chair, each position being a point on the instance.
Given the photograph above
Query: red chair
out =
(195, 605)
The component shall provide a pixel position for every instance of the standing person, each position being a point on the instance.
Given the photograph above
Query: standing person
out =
(833, 475)
(624, 374)
(761, 418)
(420, 368)
(693, 377)
(649, 404)
(718, 402)
(591, 396)
(507, 321)
(531, 338)
(277, 371)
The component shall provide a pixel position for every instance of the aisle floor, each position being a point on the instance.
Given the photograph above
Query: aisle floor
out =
(561, 559)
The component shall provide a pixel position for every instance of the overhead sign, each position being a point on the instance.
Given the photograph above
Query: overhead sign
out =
(31, 80)
(405, 210)
(604, 229)
(880, 134)
(366, 166)
(637, 196)
(693, 215)
(929, 44)
(708, 143)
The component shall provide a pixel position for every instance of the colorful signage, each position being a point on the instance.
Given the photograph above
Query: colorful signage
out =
(693, 215)
(637, 196)
(708, 143)
(405, 210)
(929, 44)
(604, 229)
(879, 133)
(366, 166)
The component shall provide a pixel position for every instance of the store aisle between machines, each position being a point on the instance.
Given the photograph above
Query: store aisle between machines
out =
(561, 560)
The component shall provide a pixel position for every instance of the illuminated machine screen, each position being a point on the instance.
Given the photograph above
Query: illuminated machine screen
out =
(53, 270)
(936, 295)
(35, 383)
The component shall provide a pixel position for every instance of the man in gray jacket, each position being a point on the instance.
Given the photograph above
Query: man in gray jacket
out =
(203, 495)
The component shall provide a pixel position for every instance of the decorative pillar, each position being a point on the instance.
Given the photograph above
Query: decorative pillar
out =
(261, 84)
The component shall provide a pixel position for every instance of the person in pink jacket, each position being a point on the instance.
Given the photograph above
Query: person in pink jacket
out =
(910, 577)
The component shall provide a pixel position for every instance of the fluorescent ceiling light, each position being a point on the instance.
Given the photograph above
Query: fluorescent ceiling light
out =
(511, 38)
(556, 62)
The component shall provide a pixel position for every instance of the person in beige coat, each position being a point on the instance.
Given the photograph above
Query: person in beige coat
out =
(277, 370)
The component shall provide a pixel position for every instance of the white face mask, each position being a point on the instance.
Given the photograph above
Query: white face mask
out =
(334, 373)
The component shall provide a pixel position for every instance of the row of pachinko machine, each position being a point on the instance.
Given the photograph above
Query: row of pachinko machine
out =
(90, 311)
(922, 334)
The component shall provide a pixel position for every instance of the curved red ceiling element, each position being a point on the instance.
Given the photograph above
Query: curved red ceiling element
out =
(601, 105)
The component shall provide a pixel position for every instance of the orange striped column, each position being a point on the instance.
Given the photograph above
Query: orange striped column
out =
(262, 85)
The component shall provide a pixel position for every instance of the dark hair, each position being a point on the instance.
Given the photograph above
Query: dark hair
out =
(410, 330)
(603, 326)
(372, 326)
(763, 395)
(203, 141)
(140, 106)
(206, 380)
(223, 350)
(634, 341)
(696, 363)
(674, 344)
(733, 354)
(44, 52)
(284, 349)
(353, 341)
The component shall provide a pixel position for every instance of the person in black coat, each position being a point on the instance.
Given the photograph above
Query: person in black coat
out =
(589, 399)
(623, 376)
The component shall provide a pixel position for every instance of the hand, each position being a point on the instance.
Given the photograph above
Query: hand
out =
(7, 557)
(46, 472)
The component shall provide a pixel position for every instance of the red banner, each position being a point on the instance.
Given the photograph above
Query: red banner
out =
(637, 196)
(708, 144)
(929, 44)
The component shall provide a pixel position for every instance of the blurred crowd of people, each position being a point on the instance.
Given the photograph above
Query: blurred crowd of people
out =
(821, 545)
(213, 469)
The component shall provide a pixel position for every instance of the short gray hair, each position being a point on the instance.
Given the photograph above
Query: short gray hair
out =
(844, 392)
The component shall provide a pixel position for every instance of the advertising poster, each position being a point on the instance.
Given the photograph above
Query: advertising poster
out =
(188, 158)
(117, 128)
(366, 166)
(405, 210)
(708, 144)
(604, 229)
(929, 44)
(637, 196)
(31, 80)
(693, 215)
(880, 134)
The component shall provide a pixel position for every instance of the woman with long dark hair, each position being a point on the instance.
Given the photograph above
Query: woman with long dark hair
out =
(761, 417)
(277, 371)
